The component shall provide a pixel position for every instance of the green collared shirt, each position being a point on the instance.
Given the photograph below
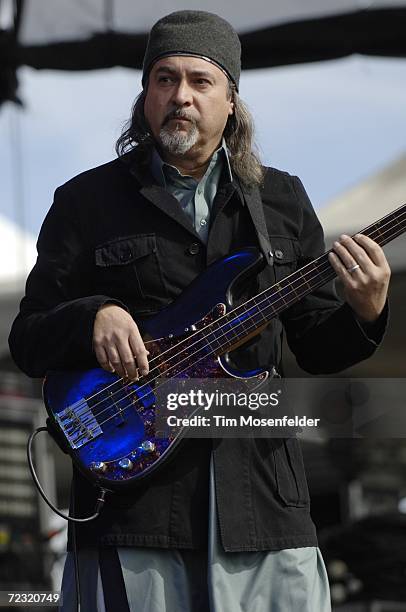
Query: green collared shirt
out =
(195, 197)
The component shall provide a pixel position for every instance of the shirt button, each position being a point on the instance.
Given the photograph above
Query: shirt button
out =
(278, 254)
(194, 248)
(203, 222)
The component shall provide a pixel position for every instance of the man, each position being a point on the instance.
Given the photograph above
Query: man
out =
(225, 526)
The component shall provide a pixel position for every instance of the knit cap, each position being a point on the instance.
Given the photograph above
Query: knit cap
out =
(195, 33)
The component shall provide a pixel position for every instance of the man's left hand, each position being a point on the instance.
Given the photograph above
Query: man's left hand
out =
(362, 266)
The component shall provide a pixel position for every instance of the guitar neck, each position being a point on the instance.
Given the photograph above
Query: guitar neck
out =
(247, 319)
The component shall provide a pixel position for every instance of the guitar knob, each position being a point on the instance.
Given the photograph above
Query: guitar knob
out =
(99, 466)
(148, 446)
(126, 464)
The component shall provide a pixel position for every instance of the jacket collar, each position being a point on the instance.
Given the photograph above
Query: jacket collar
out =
(139, 163)
(157, 165)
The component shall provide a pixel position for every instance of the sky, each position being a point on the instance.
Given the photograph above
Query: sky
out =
(332, 123)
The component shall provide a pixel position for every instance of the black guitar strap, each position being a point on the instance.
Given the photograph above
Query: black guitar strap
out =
(252, 199)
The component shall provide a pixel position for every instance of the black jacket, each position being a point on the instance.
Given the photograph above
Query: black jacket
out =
(154, 253)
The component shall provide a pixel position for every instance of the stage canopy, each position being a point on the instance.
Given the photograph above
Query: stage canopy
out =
(92, 34)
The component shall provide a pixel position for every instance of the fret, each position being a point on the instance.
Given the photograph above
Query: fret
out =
(227, 327)
(283, 291)
(210, 343)
(388, 226)
(213, 333)
(259, 311)
(257, 316)
(245, 320)
(203, 343)
(292, 288)
(296, 284)
(212, 336)
(374, 230)
(312, 267)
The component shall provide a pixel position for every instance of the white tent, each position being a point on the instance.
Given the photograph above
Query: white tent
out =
(350, 212)
(367, 202)
(17, 256)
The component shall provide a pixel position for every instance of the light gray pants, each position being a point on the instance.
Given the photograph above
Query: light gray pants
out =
(157, 580)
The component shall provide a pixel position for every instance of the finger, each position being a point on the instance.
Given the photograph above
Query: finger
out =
(341, 270)
(348, 261)
(129, 362)
(102, 358)
(140, 353)
(115, 360)
(352, 254)
(373, 249)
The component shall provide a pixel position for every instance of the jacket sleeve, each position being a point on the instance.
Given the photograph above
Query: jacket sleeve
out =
(322, 331)
(54, 328)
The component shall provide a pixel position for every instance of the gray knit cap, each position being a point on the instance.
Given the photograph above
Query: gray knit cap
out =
(195, 33)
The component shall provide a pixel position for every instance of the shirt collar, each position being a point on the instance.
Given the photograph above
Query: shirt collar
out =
(157, 164)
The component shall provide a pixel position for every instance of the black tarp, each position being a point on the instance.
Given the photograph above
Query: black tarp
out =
(94, 34)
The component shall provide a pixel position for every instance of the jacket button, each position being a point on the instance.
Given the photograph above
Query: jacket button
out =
(194, 248)
(278, 254)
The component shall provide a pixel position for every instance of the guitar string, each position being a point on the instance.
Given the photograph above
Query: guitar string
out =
(205, 346)
(233, 325)
(188, 357)
(136, 401)
(139, 399)
(188, 338)
(227, 315)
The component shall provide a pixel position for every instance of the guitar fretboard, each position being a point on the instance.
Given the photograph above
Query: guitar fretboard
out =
(244, 320)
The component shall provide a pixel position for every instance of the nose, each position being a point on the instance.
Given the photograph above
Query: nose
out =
(182, 95)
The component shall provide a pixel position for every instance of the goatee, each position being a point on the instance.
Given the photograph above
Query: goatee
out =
(178, 141)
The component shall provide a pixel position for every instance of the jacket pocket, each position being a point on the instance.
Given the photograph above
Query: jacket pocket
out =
(286, 252)
(290, 473)
(131, 266)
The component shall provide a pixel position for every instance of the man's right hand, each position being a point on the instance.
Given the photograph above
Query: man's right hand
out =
(118, 344)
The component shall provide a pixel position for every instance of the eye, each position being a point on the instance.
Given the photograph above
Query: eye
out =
(165, 79)
(202, 81)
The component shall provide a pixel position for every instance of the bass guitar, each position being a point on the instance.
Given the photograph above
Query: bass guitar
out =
(107, 424)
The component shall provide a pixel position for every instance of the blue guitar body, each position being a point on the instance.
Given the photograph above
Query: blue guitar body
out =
(107, 424)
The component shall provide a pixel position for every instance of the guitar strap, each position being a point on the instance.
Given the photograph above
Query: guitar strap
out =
(253, 201)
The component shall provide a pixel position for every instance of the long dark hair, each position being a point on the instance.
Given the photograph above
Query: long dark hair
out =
(238, 133)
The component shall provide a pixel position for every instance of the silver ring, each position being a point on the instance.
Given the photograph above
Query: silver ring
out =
(353, 268)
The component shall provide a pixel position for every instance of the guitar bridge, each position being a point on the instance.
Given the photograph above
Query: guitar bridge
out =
(79, 424)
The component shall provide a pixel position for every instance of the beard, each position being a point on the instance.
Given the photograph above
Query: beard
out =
(175, 140)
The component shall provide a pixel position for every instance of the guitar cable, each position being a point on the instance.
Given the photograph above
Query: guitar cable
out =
(99, 502)
(74, 520)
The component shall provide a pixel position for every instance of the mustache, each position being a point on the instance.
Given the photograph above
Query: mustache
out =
(179, 114)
